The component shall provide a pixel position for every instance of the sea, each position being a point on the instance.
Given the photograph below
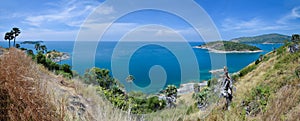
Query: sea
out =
(154, 66)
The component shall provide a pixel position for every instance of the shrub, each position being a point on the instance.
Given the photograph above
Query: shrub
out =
(212, 82)
(246, 70)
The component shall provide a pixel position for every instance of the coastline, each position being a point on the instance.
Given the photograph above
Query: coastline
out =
(221, 51)
(64, 56)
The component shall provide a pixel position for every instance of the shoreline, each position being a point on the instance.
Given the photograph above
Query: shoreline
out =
(222, 51)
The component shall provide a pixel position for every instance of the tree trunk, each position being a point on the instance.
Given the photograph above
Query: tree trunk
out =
(14, 41)
(8, 43)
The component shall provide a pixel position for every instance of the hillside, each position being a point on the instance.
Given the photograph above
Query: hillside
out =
(268, 90)
(29, 91)
(228, 46)
(266, 38)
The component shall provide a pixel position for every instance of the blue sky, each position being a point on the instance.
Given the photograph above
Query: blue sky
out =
(58, 20)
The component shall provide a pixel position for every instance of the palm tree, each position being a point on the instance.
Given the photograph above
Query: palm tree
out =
(8, 36)
(16, 31)
(37, 47)
(43, 48)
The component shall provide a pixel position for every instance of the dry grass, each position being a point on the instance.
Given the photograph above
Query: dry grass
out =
(25, 99)
(286, 98)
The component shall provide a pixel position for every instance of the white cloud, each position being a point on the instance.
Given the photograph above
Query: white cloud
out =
(71, 13)
(252, 25)
(293, 15)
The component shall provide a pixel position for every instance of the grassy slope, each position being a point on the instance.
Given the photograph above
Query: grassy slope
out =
(52, 95)
(277, 72)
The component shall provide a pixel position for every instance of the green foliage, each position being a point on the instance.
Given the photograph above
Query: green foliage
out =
(30, 53)
(64, 69)
(16, 32)
(257, 62)
(138, 105)
(247, 69)
(137, 102)
(40, 58)
(171, 90)
(12, 35)
(67, 69)
(89, 77)
(8, 36)
(235, 77)
(18, 46)
(212, 82)
(258, 98)
(64, 74)
(281, 49)
(202, 96)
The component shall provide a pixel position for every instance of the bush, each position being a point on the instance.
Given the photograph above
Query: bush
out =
(258, 99)
(246, 70)
(235, 77)
(64, 74)
(66, 68)
(212, 82)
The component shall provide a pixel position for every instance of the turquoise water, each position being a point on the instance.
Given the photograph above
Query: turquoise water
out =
(147, 56)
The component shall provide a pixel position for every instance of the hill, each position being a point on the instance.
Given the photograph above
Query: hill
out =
(266, 38)
(29, 91)
(228, 47)
(266, 90)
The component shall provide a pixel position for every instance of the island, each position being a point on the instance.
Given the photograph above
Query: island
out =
(31, 42)
(229, 47)
(272, 38)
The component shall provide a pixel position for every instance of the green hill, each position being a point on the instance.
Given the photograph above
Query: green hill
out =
(228, 46)
(269, 90)
(266, 38)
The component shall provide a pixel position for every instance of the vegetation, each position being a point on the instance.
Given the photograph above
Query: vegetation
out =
(266, 38)
(22, 97)
(267, 90)
(8, 36)
(228, 46)
(136, 103)
(12, 35)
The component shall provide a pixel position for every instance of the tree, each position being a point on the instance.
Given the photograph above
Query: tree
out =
(66, 68)
(295, 37)
(101, 77)
(37, 47)
(18, 46)
(43, 48)
(171, 95)
(171, 90)
(8, 36)
(16, 32)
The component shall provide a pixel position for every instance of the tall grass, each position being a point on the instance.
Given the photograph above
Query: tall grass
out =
(24, 99)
